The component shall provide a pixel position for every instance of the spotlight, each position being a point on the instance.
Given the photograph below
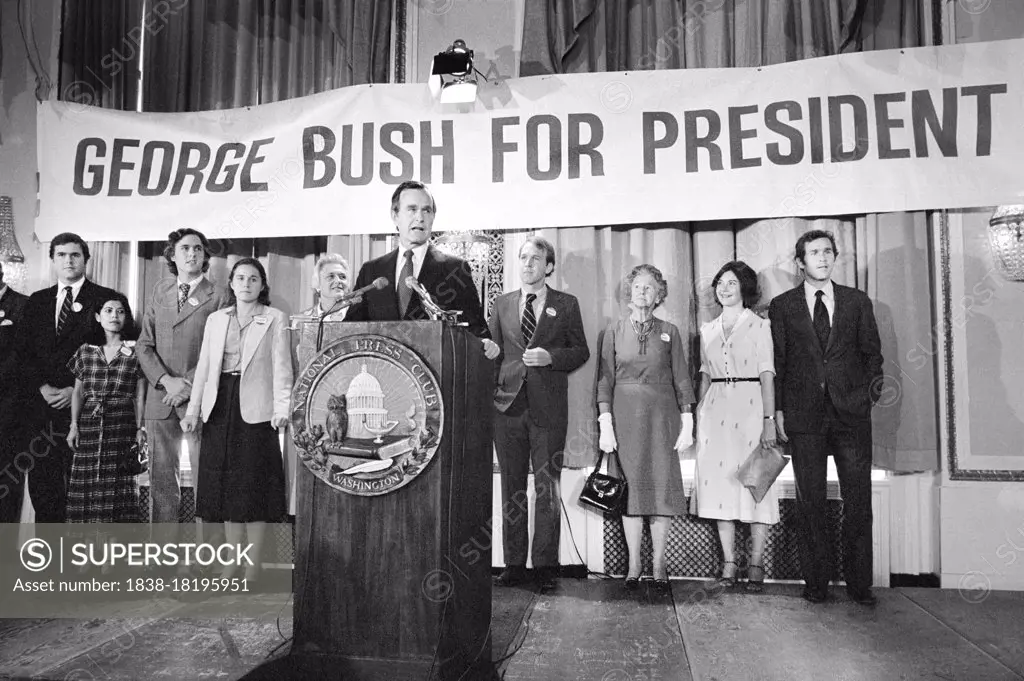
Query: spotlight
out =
(456, 63)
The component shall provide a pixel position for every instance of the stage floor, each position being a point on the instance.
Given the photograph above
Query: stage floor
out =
(584, 629)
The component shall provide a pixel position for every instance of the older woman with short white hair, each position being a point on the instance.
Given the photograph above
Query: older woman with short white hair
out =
(331, 282)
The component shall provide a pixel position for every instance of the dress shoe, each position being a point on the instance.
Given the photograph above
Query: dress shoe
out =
(513, 575)
(662, 586)
(814, 595)
(632, 583)
(865, 598)
(547, 576)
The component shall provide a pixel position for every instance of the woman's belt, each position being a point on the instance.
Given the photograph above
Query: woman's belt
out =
(735, 380)
(99, 405)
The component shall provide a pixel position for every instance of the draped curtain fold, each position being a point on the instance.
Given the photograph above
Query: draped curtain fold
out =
(884, 255)
(99, 66)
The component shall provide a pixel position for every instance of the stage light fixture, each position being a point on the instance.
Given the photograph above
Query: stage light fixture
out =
(455, 64)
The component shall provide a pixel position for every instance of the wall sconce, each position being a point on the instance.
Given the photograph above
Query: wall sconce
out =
(11, 255)
(1006, 238)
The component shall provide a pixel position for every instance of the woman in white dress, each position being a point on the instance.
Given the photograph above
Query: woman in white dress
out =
(734, 415)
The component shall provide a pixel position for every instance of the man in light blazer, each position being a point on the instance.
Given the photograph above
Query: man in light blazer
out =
(58, 320)
(172, 334)
(448, 279)
(537, 332)
(828, 370)
(12, 431)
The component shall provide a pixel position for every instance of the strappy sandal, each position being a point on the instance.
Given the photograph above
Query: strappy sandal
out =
(730, 581)
(755, 586)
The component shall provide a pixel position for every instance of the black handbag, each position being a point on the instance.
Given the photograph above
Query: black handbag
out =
(604, 492)
(136, 461)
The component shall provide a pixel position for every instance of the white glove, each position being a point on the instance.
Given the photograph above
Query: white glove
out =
(685, 439)
(607, 441)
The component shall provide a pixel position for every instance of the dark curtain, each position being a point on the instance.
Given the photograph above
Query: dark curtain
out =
(99, 53)
(579, 36)
(204, 57)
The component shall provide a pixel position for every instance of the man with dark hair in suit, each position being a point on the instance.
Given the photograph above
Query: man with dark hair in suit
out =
(828, 368)
(448, 279)
(12, 443)
(538, 334)
(172, 335)
(58, 320)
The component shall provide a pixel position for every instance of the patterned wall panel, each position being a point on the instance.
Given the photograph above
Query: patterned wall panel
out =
(693, 547)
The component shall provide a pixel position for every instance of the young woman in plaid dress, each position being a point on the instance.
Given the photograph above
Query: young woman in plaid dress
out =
(106, 420)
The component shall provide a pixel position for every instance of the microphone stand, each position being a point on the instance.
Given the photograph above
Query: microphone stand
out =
(320, 325)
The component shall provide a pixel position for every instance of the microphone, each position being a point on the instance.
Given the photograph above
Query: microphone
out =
(348, 299)
(433, 309)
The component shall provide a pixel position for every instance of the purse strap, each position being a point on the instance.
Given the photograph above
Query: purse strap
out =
(600, 459)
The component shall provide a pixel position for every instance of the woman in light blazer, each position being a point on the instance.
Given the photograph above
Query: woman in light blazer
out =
(241, 390)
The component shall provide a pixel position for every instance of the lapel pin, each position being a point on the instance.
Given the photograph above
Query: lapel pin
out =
(665, 337)
(260, 319)
(192, 301)
(77, 307)
(126, 351)
(2, 314)
(550, 312)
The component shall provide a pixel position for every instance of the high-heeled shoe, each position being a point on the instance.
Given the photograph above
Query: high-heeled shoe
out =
(728, 578)
(755, 579)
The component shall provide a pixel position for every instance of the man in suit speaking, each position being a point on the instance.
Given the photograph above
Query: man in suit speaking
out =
(538, 334)
(828, 370)
(447, 279)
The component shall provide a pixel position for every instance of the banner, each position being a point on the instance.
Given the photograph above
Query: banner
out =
(895, 130)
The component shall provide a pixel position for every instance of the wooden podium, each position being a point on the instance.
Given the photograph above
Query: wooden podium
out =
(392, 567)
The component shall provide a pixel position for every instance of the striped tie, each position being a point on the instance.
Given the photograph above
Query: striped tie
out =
(65, 309)
(529, 324)
(404, 292)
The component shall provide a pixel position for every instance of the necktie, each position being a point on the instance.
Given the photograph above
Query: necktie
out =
(182, 295)
(529, 323)
(65, 309)
(404, 292)
(821, 323)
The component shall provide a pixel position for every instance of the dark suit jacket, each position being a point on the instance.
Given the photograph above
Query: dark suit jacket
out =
(448, 279)
(560, 332)
(850, 368)
(45, 355)
(12, 305)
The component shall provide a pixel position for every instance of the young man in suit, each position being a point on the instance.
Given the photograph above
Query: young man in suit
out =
(169, 344)
(58, 320)
(828, 368)
(12, 443)
(538, 334)
(448, 279)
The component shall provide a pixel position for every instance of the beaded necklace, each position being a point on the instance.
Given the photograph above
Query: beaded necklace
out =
(643, 332)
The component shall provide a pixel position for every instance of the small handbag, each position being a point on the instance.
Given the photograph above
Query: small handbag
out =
(136, 461)
(604, 492)
(760, 470)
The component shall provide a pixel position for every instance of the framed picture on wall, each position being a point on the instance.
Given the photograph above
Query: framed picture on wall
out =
(981, 341)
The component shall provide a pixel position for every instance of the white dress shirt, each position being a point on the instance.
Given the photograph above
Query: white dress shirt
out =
(76, 288)
(419, 253)
(828, 297)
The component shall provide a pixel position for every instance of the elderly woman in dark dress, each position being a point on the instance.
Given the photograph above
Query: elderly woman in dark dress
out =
(645, 400)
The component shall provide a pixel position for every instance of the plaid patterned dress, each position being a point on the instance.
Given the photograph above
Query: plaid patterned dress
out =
(97, 492)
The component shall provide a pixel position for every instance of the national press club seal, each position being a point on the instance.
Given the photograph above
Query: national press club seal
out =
(367, 415)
